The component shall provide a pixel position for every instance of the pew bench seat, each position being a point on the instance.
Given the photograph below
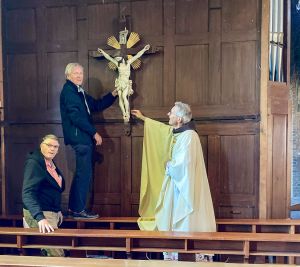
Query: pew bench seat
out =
(223, 225)
(223, 243)
(30, 261)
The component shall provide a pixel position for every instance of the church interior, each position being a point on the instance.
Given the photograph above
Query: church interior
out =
(230, 60)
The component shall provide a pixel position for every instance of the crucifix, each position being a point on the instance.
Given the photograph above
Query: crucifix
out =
(122, 59)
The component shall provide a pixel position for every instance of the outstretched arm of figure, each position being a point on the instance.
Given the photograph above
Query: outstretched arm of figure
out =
(107, 56)
(139, 54)
(137, 113)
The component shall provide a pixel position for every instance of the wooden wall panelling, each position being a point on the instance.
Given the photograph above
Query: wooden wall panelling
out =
(44, 46)
(2, 179)
(61, 23)
(239, 89)
(41, 57)
(23, 87)
(103, 19)
(109, 176)
(116, 184)
(192, 52)
(190, 66)
(213, 168)
(2, 194)
(275, 135)
(278, 131)
(113, 176)
(196, 22)
(148, 80)
(56, 63)
(239, 55)
(169, 53)
(238, 188)
(112, 172)
(239, 15)
(147, 18)
(137, 151)
(263, 146)
(214, 92)
(20, 140)
(17, 22)
(279, 166)
(137, 145)
(204, 145)
(234, 189)
(126, 176)
(148, 90)
(60, 49)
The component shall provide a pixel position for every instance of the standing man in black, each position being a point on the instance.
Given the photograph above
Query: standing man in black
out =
(76, 107)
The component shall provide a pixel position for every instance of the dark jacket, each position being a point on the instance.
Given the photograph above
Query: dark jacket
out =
(40, 190)
(77, 123)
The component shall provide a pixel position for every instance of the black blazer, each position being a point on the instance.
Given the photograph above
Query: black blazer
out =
(40, 190)
(77, 123)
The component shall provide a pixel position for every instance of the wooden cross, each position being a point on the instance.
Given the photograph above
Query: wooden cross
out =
(130, 58)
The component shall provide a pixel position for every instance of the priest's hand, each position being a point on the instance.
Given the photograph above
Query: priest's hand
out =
(137, 113)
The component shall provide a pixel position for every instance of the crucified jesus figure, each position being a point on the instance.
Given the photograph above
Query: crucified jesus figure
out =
(123, 82)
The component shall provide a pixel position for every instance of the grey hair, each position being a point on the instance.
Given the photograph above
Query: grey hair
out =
(183, 111)
(70, 67)
(49, 136)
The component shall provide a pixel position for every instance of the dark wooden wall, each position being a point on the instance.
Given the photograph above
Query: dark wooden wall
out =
(209, 58)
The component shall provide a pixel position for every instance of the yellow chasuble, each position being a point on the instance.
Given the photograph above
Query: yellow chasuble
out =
(156, 152)
(175, 197)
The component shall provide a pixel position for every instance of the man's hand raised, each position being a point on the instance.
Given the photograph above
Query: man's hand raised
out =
(98, 139)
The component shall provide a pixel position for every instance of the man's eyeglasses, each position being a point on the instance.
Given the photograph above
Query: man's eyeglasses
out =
(51, 146)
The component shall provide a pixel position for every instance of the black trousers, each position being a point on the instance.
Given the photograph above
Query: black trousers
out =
(82, 177)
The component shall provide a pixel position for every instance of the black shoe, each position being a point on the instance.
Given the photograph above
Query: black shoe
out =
(84, 215)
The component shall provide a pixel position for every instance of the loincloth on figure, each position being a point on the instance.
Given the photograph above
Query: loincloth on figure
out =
(124, 86)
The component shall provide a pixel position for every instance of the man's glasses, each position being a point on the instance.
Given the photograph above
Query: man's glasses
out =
(51, 146)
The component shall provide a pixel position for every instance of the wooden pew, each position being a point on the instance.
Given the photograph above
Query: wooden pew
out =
(102, 222)
(11, 220)
(259, 225)
(30, 261)
(222, 243)
(223, 225)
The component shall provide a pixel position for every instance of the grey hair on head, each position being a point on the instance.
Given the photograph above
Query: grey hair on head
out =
(70, 67)
(183, 111)
(49, 136)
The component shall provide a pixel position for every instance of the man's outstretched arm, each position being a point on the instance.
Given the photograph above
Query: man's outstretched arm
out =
(137, 113)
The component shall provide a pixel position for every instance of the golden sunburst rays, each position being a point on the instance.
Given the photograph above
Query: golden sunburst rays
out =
(113, 42)
(135, 64)
(133, 39)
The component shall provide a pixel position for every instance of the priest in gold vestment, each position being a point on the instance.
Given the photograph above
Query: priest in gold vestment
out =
(175, 194)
